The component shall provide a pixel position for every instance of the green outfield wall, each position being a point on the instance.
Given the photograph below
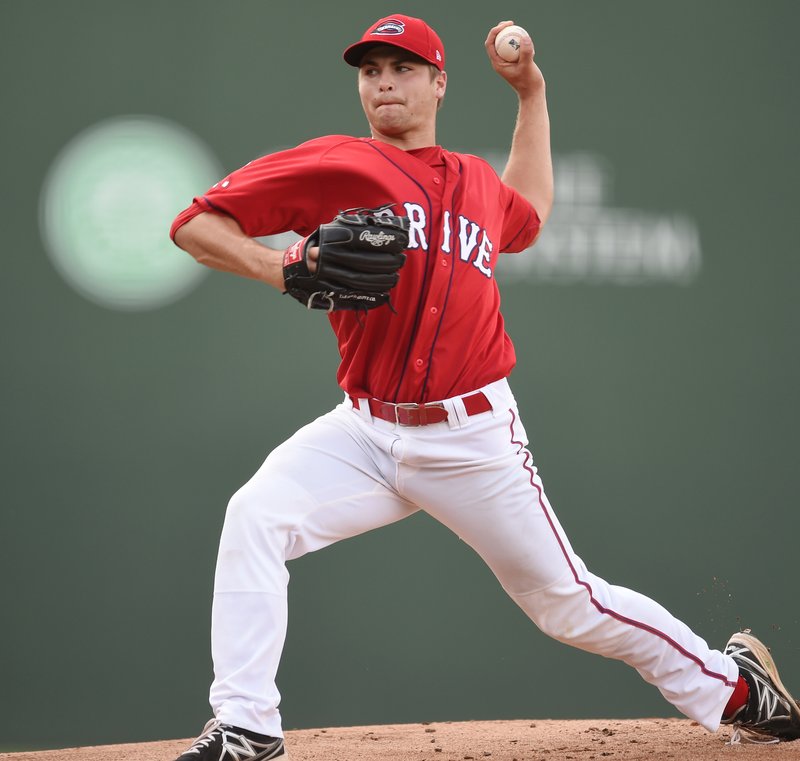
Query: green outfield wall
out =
(656, 325)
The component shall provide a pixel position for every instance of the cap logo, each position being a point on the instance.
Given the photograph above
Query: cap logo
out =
(438, 56)
(390, 28)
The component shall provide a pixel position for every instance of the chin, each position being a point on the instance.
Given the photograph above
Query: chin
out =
(390, 127)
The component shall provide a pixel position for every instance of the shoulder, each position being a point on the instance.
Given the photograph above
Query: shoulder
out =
(475, 163)
(327, 143)
(309, 155)
(475, 166)
(328, 140)
(330, 152)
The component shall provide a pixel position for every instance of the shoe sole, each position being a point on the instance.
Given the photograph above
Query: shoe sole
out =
(764, 657)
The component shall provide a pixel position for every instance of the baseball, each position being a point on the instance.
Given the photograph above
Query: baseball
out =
(507, 42)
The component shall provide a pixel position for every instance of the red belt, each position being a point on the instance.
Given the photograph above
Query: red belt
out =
(423, 414)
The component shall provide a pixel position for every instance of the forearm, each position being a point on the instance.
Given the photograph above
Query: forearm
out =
(530, 165)
(218, 242)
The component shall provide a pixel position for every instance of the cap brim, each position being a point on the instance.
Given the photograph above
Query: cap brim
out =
(355, 53)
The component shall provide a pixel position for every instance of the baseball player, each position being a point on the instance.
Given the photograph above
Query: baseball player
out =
(400, 243)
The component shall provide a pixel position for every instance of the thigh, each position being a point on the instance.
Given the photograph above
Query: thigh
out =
(494, 500)
(327, 482)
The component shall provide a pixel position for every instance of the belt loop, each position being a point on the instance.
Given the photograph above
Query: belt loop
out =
(456, 413)
(361, 408)
(499, 395)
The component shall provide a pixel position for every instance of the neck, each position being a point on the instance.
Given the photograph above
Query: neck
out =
(407, 142)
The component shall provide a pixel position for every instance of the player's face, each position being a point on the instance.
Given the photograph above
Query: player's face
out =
(399, 92)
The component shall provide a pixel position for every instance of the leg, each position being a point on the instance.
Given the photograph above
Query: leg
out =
(322, 485)
(498, 506)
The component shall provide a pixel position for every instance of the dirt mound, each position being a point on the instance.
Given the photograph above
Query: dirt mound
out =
(521, 740)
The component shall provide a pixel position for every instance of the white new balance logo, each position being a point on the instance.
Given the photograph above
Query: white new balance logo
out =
(241, 748)
(769, 700)
(218, 743)
(770, 712)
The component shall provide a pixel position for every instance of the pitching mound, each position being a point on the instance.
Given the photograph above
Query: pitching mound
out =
(636, 740)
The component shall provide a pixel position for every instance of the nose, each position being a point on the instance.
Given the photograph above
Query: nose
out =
(386, 83)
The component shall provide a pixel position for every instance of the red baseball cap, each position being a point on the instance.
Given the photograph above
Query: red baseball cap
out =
(405, 32)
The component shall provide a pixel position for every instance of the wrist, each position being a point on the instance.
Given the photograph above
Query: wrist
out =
(268, 265)
(533, 89)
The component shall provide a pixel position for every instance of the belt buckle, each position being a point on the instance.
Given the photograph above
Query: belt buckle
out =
(404, 406)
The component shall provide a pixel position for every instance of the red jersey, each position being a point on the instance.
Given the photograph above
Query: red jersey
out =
(447, 337)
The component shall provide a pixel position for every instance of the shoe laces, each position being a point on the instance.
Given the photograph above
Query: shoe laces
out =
(742, 735)
(206, 737)
(765, 698)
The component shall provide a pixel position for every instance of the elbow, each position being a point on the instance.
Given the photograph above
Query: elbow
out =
(185, 238)
(180, 232)
(179, 237)
(189, 235)
(184, 241)
(543, 203)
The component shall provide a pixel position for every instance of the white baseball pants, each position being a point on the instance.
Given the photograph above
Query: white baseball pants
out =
(346, 473)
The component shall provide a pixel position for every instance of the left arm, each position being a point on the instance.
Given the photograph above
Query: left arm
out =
(530, 165)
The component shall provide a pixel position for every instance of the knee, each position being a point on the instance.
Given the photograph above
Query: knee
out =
(562, 610)
(248, 508)
(254, 519)
(252, 548)
(245, 511)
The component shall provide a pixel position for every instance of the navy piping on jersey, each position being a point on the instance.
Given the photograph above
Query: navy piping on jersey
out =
(215, 207)
(447, 293)
(418, 316)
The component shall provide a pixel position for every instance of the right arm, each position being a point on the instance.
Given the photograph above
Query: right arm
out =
(530, 165)
(217, 241)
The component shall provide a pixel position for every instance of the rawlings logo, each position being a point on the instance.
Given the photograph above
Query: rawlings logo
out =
(377, 239)
(293, 254)
(390, 27)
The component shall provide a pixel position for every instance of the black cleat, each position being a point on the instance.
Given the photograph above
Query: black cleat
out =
(221, 742)
(770, 711)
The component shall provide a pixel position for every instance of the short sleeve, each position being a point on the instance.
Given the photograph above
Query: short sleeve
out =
(270, 195)
(521, 223)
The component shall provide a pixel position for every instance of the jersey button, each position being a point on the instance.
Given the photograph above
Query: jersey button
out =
(419, 363)
(444, 262)
(434, 310)
(436, 180)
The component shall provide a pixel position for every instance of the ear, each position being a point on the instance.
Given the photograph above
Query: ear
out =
(440, 84)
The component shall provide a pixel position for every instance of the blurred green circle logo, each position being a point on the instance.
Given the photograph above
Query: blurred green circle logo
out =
(107, 204)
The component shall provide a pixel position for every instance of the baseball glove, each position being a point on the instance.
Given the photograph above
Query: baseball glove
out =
(360, 254)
